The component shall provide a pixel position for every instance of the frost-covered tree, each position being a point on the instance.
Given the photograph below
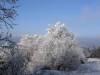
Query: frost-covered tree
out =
(9, 56)
(56, 50)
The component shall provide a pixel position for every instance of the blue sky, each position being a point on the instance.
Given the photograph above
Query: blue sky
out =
(82, 17)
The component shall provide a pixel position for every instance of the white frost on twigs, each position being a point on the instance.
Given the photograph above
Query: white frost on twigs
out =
(57, 49)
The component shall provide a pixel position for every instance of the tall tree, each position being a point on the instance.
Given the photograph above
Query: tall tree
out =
(7, 17)
(8, 50)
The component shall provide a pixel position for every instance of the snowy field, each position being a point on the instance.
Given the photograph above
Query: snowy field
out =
(92, 67)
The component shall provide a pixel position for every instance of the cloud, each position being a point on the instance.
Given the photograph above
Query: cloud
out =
(89, 14)
(87, 22)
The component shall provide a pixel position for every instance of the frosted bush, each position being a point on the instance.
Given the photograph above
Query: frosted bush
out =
(12, 60)
(57, 49)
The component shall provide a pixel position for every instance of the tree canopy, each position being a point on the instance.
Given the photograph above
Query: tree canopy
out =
(7, 16)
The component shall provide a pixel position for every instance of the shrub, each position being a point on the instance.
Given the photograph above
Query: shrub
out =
(95, 53)
(56, 50)
(87, 52)
(12, 60)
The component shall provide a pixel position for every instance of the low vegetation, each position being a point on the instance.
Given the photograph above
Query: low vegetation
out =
(95, 53)
(56, 50)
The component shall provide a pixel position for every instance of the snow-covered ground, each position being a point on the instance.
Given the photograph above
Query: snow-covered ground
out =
(92, 67)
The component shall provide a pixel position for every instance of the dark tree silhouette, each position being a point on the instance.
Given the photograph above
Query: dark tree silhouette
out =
(11, 60)
(7, 17)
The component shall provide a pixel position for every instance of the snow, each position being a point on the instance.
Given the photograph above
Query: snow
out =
(92, 67)
(95, 60)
